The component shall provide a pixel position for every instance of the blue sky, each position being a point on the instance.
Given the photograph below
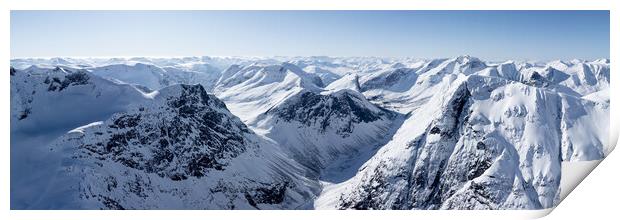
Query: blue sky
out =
(493, 35)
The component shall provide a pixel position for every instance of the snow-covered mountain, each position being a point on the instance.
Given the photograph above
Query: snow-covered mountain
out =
(421, 82)
(177, 148)
(154, 77)
(251, 90)
(317, 128)
(180, 150)
(349, 82)
(301, 132)
(47, 103)
(326, 76)
(487, 143)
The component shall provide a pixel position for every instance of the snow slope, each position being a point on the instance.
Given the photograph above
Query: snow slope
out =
(154, 77)
(182, 149)
(251, 90)
(47, 104)
(349, 81)
(301, 132)
(317, 128)
(489, 144)
(420, 83)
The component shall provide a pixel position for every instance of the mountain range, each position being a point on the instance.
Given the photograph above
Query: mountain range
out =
(301, 132)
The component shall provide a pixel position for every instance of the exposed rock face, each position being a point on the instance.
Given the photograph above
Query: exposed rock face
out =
(71, 79)
(397, 79)
(469, 154)
(52, 95)
(323, 111)
(422, 188)
(318, 128)
(183, 136)
(187, 136)
(454, 133)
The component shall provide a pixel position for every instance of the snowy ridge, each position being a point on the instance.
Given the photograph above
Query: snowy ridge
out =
(577, 79)
(349, 81)
(180, 150)
(46, 97)
(492, 144)
(317, 128)
(301, 132)
(47, 103)
(154, 77)
(252, 90)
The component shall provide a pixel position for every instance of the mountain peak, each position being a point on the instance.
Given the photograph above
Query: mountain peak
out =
(602, 60)
(188, 98)
(386, 133)
(309, 107)
(466, 59)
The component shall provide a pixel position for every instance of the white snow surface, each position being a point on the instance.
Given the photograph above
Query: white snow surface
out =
(316, 132)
